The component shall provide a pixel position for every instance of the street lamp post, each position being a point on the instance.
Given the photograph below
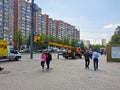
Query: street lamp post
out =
(34, 8)
(32, 23)
(32, 32)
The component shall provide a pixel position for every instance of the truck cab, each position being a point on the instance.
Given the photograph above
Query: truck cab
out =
(12, 54)
(73, 52)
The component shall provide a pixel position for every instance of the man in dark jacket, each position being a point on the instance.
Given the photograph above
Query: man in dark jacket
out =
(87, 59)
(48, 59)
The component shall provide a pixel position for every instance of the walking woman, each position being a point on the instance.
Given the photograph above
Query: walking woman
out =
(48, 59)
(43, 59)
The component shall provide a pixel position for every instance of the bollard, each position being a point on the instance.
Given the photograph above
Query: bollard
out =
(58, 56)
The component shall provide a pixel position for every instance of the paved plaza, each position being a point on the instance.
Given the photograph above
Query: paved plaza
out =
(69, 74)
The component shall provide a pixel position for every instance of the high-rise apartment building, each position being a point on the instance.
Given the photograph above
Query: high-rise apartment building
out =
(38, 20)
(15, 15)
(6, 20)
(77, 35)
(60, 29)
(44, 28)
(43, 25)
(67, 31)
(24, 18)
(51, 27)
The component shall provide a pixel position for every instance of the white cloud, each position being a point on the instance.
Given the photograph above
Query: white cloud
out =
(111, 26)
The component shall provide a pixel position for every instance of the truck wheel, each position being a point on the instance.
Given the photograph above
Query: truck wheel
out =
(16, 59)
(66, 57)
(9, 59)
(80, 57)
(73, 57)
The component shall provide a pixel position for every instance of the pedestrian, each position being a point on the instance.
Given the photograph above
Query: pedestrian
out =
(48, 59)
(91, 53)
(87, 59)
(43, 59)
(1, 68)
(95, 59)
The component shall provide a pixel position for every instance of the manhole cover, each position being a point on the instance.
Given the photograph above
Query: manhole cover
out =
(4, 72)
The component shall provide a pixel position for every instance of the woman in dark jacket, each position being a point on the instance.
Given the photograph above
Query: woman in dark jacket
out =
(48, 59)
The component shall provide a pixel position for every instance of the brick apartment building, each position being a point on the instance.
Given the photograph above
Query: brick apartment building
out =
(6, 19)
(16, 15)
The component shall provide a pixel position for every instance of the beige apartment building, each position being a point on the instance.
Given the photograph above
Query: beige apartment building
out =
(67, 31)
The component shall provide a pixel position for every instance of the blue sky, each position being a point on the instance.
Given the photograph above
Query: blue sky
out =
(96, 18)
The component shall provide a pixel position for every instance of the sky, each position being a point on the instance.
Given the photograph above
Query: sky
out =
(96, 19)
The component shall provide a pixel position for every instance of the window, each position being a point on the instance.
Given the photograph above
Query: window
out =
(1, 11)
(6, 5)
(6, 9)
(1, 23)
(1, 19)
(5, 0)
(6, 13)
(1, 3)
(1, 7)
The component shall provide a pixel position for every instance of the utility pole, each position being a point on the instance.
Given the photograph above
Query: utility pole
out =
(34, 8)
(32, 23)
(32, 32)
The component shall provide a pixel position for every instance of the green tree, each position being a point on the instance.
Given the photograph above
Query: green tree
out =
(43, 37)
(18, 39)
(116, 37)
(74, 42)
(97, 46)
(82, 46)
(58, 41)
(1, 38)
(65, 41)
(51, 38)
(117, 30)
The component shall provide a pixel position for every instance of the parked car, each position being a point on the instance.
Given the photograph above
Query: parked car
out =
(60, 50)
(25, 50)
(40, 50)
(49, 49)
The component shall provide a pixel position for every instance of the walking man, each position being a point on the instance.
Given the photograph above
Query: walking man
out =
(87, 59)
(95, 59)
